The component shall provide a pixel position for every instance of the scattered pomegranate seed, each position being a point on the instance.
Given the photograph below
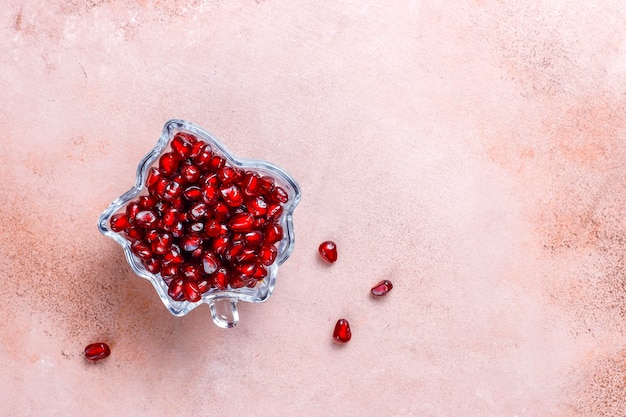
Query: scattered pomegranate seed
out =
(119, 222)
(342, 333)
(328, 251)
(168, 163)
(97, 351)
(382, 288)
(242, 222)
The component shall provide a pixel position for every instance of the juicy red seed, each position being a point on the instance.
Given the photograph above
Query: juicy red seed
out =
(162, 243)
(267, 254)
(151, 235)
(253, 239)
(328, 251)
(172, 191)
(141, 249)
(119, 222)
(153, 176)
(196, 148)
(203, 158)
(170, 218)
(168, 163)
(273, 233)
(257, 206)
(97, 351)
(210, 194)
(274, 212)
(190, 243)
(220, 279)
(193, 193)
(175, 289)
(196, 227)
(146, 202)
(168, 272)
(220, 244)
(177, 230)
(260, 272)
(210, 263)
(131, 210)
(181, 145)
(241, 222)
(210, 178)
(382, 288)
(173, 256)
(247, 255)
(146, 219)
(280, 195)
(198, 211)
(231, 195)
(250, 185)
(259, 222)
(190, 272)
(220, 211)
(237, 281)
(251, 283)
(158, 188)
(152, 265)
(213, 228)
(342, 333)
(234, 250)
(217, 162)
(190, 173)
(246, 270)
(133, 233)
(266, 185)
(227, 174)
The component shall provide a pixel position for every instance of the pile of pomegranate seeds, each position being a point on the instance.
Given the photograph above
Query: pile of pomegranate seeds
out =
(328, 251)
(203, 224)
(97, 351)
(382, 288)
(342, 333)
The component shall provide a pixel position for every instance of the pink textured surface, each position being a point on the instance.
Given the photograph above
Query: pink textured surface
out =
(474, 154)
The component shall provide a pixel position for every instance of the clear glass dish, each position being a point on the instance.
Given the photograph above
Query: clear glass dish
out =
(222, 303)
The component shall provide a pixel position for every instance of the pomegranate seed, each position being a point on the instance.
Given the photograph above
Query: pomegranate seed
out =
(173, 256)
(169, 272)
(210, 263)
(162, 243)
(257, 206)
(170, 218)
(213, 228)
(328, 251)
(133, 233)
(191, 292)
(260, 272)
(253, 239)
(220, 244)
(238, 281)
(267, 254)
(246, 270)
(231, 195)
(220, 211)
(203, 158)
(198, 211)
(204, 285)
(193, 193)
(250, 185)
(210, 194)
(153, 176)
(241, 222)
(220, 279)
(181, 145)
(119, 222)
(382, 288)
(280, 195)
(273, 233)
(177, 230)
(196, 227)
(146, 219)
(274, 212)
(259, 222)
(173, 191)
(141, 249)
(216, 163)
(227, 175)
(190, 173)
(131, 210)
(190, 272)
(168, 163)
(247, 255)
(266, 185)
(342, 333)
(97, 351)
(151, 235)
(234, 250)
(190, 243)
(196, 148)
(152, 265)
(210, 178)
(175, 289)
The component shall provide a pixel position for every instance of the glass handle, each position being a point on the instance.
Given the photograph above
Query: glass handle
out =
(224, 312)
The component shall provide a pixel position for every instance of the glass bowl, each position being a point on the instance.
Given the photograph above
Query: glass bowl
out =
(222, 303)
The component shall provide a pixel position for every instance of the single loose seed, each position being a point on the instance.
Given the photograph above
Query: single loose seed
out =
(97, 351)
(328, 251)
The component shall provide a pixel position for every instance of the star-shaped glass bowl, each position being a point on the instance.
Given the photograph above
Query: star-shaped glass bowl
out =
(222, 302)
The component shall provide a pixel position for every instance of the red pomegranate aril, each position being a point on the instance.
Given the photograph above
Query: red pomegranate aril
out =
(238, 281)
(119, 222)
(247, 255)
(146, 219)
(217, 163)
(220, 244)
(153, 176)
(328, 251)
(266, 184)
(274, 211)
(260, 272)
(273, 233)
(131, 210)
(246, 270)
(231, 195)
(175, 289)
(210, 194)
(190, 173)
(192, 292)
(226, 174)
(170, 217)
(382, 288)
(210, 178)
(190, 243)
(257, 206)
(198, 211)
(141, 249)
(169, 272)
(168, 163)
(195, 227)
(97, 351)
(221, 211)
(253, 239)
(162, 243)
(220, 279)
(280, 195)
(133, 233)
(234, 250)
(241, 223)
(260, 223)
(267, 254)
(177, 230)
(196, 148)
(193, 193)
(173, 256)
(204, 285)
(151, 235)
(342, 332)
(210, 263)
(203, 158)
(251, 283)
(213, 228)
(152, 265)
(146, 202)
(250, 185)
(181, 145)
(190, 272)
(173, 191)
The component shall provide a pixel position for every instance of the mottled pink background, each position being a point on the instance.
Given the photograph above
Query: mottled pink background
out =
(473, 153)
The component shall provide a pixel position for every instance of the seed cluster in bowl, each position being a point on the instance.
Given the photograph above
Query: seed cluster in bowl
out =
(204, 223)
